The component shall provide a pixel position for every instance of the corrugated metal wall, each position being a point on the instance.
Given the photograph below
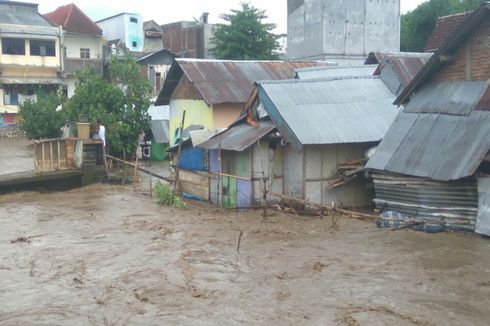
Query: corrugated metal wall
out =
(454, 202)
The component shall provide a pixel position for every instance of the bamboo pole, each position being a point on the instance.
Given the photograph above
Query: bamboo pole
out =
(169, 180)
(346, 212)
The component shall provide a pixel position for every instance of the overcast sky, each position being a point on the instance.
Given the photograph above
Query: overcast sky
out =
(166, 11)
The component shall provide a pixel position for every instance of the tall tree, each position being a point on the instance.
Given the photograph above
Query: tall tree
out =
(417, 25)
(121, 103)
(245, 37)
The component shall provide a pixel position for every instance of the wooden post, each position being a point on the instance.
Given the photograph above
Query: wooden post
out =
(42, 155)
(177, 181)
(265, 199)
(51, 155)
(59, 155)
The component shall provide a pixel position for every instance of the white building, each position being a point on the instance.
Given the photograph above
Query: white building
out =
(127, 27)
(342, 31)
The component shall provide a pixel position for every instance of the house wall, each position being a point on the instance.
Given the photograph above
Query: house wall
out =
(226, 114)
(120, 27)
(197, 112)
(74, 42)
(471, 60)
(318, 29)
(28, 60)
(320, 165)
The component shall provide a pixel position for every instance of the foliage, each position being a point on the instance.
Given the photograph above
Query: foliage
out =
(41, 119)
(417, 25)
(246, 37)
(121, 103)
(166, 196)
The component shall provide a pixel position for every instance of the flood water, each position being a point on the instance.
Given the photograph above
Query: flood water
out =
(16, 155)
(106, 255)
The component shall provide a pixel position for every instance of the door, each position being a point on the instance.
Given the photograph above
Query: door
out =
(228, 183)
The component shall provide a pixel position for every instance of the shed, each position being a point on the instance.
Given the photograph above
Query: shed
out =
(433, 159)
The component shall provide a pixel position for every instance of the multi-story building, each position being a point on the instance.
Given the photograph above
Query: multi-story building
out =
(127, 27)
(82, 43)
(189, 39)
(153, 36)
(30, 58)
(342, 31)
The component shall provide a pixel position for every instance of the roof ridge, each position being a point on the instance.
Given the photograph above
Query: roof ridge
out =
(68, 16)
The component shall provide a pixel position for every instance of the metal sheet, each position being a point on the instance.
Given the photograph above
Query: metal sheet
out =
(483, 217)
(159, 128)
(329, 111)
(455, 97)
(20, 13)
(239, 137)
(454, 203)
(437, 146)
(225, 81)
(334, 71)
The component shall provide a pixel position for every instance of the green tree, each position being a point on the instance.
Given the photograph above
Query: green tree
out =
(120, 102)
(42, 119)
(245, 37)
(417, 25)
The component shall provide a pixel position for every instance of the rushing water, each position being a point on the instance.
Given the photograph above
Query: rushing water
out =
(105, 255)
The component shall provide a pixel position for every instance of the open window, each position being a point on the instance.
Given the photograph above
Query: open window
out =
(13, 46)
(43, 48)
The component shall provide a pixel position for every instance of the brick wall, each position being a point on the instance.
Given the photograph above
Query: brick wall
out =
(185, 90)
(185, 41)
(472, 60)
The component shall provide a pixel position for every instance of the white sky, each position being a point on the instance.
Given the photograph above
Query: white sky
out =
(166, 11)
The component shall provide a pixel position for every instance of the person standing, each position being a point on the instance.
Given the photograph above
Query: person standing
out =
(101, 130)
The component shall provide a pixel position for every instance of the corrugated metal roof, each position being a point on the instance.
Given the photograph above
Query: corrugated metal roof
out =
(334, 71)
(454, 97)
(437, 146)
(239, 137)
(224, 81)
(378, 57)
(329, 111)
(397, 71)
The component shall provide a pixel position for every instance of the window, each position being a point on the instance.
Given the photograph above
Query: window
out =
(85, 53)
(133, 20)
(135, 44)
(64, 52)
(13, 46)
(43, 48)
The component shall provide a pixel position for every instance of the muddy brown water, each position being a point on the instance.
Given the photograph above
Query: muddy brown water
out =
(16, 155)
(106, 255)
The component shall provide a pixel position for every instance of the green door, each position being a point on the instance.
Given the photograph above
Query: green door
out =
(1, 119)
(228, 183)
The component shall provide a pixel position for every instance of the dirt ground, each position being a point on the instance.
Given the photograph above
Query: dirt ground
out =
(106, 255)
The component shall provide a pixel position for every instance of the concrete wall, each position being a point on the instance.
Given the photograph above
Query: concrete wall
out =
(121, 27)
(74, 42)
(344, 30)
(226, 114)
(197, 112)
(35, 61)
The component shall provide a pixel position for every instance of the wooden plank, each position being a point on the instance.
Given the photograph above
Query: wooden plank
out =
(59, 155)
(42, 149)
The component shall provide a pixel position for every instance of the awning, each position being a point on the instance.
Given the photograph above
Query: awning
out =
(239, 137)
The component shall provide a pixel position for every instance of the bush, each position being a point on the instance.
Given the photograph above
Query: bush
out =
(41, 119)
(166, 196)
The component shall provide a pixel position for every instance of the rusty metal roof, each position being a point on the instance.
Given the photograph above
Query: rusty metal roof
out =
(225, 81)
(239, 137)
(329, 111)
(397, 71)
(438, 141)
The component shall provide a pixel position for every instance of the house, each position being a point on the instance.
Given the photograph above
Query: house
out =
(295, 136)
(342, 31)
(153, 36)
(30, 59)
(433, 162)
(445, 27)
(189, 39)
(82, 43)
(155, 66)
(213, 92)
(127, 27)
